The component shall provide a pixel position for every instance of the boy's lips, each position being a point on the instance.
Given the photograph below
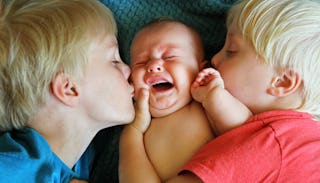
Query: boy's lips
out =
(132, 91)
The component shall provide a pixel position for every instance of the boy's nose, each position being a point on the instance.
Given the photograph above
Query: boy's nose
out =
(126, 71)
(214, 60)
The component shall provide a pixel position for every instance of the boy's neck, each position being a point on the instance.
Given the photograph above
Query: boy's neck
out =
(68, 146)
(67, 137)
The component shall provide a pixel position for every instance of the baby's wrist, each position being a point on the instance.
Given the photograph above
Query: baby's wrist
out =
(136, 129)
(211, 95)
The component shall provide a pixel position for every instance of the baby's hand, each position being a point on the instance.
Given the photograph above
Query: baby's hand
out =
(143, 117)
(206, 80)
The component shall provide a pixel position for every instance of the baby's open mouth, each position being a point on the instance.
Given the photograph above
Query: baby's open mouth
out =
(162, 86)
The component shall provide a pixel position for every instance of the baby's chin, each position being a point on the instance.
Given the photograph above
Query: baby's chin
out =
(162, 112)
(159, 114)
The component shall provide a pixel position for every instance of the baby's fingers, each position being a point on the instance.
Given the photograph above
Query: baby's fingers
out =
(205, 76)
(143, 117)
(199, 81)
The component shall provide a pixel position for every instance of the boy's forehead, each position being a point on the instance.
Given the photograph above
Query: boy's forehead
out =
(108, 40)
(234, 33)
(233, 27)
(112, 42)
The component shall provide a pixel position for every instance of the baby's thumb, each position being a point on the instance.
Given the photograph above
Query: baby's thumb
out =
(142, 100)
(143, 117)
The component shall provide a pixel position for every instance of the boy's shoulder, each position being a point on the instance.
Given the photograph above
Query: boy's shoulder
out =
(22, 143)
(27, 157)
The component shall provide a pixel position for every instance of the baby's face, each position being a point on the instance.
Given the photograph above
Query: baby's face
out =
(164, 60)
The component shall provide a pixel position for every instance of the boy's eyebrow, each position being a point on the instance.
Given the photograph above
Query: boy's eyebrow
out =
(113, 43)
(230, 35)
(110, 43)
(232, 40)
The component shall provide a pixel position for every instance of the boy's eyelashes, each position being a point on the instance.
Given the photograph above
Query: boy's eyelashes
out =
(230, 52)
(116, 62)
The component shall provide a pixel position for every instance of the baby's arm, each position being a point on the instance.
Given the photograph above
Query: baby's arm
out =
(224, 111)
(134, 165)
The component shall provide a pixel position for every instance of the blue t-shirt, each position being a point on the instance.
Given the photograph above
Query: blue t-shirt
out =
(25, 156)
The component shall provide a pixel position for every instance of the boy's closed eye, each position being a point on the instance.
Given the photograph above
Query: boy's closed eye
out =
(115, 62)
(230, 52)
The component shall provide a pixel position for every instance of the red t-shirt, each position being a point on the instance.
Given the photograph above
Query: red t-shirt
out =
(275, 146)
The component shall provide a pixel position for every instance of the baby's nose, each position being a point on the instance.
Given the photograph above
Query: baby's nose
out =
(155, 66)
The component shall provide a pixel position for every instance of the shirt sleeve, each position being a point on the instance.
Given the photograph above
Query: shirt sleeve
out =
(242, 155)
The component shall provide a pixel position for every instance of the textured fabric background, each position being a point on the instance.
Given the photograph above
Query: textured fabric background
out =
(206, 16)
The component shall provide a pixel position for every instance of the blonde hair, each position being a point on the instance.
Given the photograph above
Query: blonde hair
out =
(286, 33)
(38, 40)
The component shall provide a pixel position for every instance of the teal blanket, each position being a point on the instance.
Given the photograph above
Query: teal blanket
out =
(207, 16)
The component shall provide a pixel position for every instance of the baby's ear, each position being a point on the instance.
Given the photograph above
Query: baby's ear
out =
(204, 64)
(65, 90)
(286, 83)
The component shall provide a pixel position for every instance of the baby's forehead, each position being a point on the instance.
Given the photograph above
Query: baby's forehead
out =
(173, 31)
(166, 34)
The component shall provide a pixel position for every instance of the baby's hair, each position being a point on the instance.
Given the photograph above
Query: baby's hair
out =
(40, 39)
(286, 34)
(160, 19)
(166, 19)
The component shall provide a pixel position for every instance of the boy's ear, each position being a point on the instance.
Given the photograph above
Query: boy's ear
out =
(65, 90)
(286, 83)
